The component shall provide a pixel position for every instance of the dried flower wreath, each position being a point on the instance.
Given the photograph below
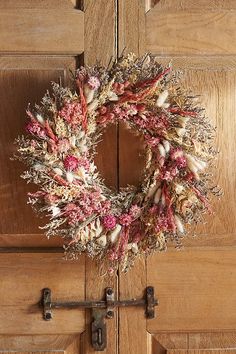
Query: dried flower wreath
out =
(59, 152)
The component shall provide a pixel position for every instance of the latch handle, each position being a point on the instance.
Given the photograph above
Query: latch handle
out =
(99, 329)
(100, 310)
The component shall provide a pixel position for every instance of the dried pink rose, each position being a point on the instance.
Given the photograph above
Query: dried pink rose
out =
(125, 219)
(36, 129)
(93, 83)
(109, 222)
(71, 163)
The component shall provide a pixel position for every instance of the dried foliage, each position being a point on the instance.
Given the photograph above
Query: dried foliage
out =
(59, 151)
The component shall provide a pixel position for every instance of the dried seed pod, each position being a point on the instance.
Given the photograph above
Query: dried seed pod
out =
(162, 98)
(114, 234)
(157, 196)
(102, 240)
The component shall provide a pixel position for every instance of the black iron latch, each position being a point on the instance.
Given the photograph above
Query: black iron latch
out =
(100, 310)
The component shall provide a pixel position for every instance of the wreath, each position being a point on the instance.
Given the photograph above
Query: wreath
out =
(63, 132)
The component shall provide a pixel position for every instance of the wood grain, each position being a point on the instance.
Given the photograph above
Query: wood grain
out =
(32, 343)
(34, 75)
(213, 78)
(102, 15)
(131, 26)
(100, 45)
(23, 276)
(196, 289)
(34, 31)
(41, 4)
(211, 342)
(170, 5)
(196, 351)
(54, 344)
(133, 337)
(193, 32)
(25, 77)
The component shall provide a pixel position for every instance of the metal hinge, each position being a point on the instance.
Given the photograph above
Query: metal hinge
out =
(100, 310)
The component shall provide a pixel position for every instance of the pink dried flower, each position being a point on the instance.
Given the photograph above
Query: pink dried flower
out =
(71, 163)
(81, 74)
(125, 219)
(118, 88)
(93, 82)
(103, 110)
(33, 143)
(135, 211)
(153, 210)
(152, 141)
(63, 145)
(170, 173)
(176, 153)
(36, 129)
(116, 110)
(178, 156)
(181, 162)
(109, 222)
(50, 199)
(106, 206)
(71, 112)
(70, 207)
(83, 162)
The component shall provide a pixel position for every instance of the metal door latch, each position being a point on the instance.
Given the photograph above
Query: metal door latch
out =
(100, 310)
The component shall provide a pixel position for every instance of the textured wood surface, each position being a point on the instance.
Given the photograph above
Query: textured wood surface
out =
(191, 32)
(42, 30)
(195, 287)
(25, 77)
(214, 80)
(171, 5)
(33, 74)
(209, 343)
(100, 44)
(23, 276)
(133, 337)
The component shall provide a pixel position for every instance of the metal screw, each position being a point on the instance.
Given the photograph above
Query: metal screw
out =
(48, 316)
(110, 314)
(150, 290)
(109, 291)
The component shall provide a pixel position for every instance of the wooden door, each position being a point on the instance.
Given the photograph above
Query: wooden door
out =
(41, 41)
(196, 287)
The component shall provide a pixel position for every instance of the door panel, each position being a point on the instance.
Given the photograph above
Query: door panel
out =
(20, 312)
(72, 344)
(40, 42)
(213, 78)
(196, 290)
(21, 81)
(195, 287)
(47, 30)
(193, 343)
